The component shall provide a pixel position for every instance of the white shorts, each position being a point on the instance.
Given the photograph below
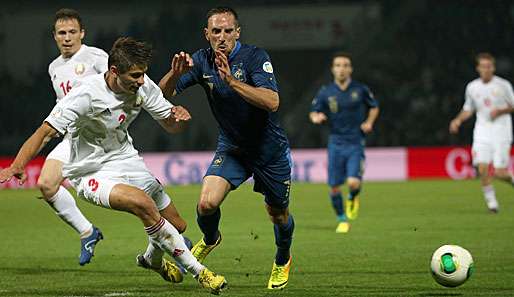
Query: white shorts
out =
(496, 153)
(96, 187)
(62, 151)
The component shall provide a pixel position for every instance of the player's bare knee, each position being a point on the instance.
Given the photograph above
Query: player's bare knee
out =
(277, 215)
(47, 187)
(502, 173)
(143, 207)
(483, 171)
(207, 206)
(335, 190)
(354, 183)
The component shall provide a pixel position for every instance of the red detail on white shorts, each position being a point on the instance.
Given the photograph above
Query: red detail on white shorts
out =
(93, 184)
(177, 252)
(122, 118)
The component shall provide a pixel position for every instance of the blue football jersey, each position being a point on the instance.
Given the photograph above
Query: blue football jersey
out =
(346, 110)
(242, 125)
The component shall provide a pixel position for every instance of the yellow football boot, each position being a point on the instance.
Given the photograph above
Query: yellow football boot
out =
(201, 250)
(168, 270)
(210, 280)
(352, 208)
(343, 227)
(279, 275)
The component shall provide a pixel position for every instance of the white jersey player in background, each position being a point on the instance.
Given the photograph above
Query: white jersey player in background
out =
(491, 98)
(75, 62)
(104, 166)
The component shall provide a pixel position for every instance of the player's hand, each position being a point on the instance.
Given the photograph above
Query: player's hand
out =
(181, 63)
(318, 117)
(7, 173)
(179, 113)
(366, 127)
(494, 113)
(454, 126)
(223, 66)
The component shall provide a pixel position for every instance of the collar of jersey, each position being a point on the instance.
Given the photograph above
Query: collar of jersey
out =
(120, 99)
(235, 50)
(82, 46)
(339, 88)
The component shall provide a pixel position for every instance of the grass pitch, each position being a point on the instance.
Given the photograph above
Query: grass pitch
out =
(386, 253)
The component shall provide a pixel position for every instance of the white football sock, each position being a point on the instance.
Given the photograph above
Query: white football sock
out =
(165, 236)
(153, 255)
(490, 197)
(66, 208)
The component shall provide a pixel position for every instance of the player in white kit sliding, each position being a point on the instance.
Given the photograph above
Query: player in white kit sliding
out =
(75, 62)
(104, 166)
(491, 98)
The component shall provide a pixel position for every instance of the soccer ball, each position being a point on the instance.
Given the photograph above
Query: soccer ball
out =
(451, 265)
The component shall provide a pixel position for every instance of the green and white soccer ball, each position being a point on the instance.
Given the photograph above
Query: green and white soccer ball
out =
(451, 265)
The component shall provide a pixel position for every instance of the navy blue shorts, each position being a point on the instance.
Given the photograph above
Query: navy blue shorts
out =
(272, 179)
(344, 161)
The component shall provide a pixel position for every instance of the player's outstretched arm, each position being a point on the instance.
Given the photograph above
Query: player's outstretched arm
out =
(260, 97)
(458, 120)
(27, 152)
(180, 64)
(367, 125)
(177, 121)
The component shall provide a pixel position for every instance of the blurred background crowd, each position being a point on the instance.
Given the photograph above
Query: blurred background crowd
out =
(416, 56)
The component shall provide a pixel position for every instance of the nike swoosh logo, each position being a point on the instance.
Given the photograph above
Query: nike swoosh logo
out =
(279, 285)
(206, 76)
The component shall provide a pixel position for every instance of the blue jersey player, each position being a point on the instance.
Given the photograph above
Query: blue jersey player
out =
(243, 95)
(350, 110)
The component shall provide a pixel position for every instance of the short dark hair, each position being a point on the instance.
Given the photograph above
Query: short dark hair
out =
(67, 14)
(341, 54)
(484, 56)
(220, 10)
(127, 52)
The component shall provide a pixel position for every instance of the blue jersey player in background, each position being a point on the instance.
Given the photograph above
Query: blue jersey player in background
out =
(350, 110)
(243, 95)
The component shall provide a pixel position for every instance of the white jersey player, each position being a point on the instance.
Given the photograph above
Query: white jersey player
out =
(65, 72)
(491, 98)
(104, 166)
(75, 62)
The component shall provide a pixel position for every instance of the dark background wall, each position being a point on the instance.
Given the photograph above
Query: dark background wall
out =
(416, 56)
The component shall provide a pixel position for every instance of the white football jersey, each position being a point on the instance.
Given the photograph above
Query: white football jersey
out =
(66, 72)
(482, 98)
(98, 119)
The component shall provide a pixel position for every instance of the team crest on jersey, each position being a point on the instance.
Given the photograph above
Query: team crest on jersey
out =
(57, 112)
(332, 104)
(218, 161)
(80, 69)
(267, 67)
(355, 96)
(139, 101)
(238, 72)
